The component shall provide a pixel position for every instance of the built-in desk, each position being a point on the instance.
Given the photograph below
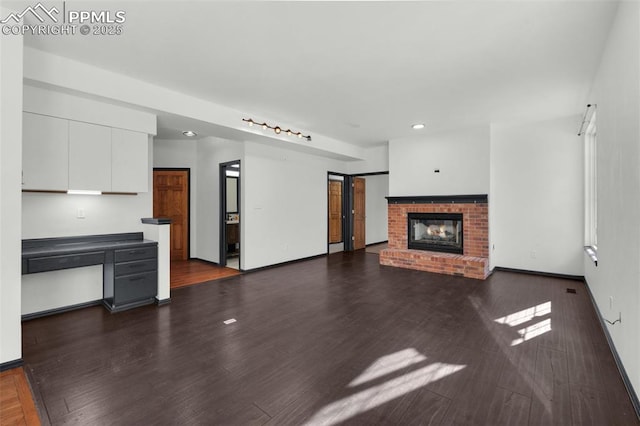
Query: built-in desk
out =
(130, 264)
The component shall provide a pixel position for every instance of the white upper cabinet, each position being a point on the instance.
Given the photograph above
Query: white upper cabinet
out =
(60, 154)
(129, 161)
(89, 157)
(45, 153)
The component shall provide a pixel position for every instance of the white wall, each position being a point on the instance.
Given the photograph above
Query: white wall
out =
(182, 154)
(55, 215)
(212, 152)
(376, 159)
(284, 205)
(462, 156)
(10, 183)
(376, 225)
(536, 199)
(616, 91)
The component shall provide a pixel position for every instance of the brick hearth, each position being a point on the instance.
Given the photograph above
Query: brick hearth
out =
(474, 263)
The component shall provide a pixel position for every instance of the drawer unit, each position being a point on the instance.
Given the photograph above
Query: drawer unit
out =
(135, 267)
(126, 255)
(135, 288)
(54, 263)
(133, 273)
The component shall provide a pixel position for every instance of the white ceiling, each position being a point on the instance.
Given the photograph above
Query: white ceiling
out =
(361, 72)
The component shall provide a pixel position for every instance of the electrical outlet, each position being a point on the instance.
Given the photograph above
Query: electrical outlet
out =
(80, 214)
(610, 302)
(534, 255)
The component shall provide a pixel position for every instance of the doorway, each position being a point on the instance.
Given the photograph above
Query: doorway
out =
(230, 214)
(336, 237)
(171, 188)
(346, 213)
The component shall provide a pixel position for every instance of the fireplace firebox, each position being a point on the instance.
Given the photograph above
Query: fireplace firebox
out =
(435, 232)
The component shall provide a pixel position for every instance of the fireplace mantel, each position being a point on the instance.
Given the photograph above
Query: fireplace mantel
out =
(439, 199)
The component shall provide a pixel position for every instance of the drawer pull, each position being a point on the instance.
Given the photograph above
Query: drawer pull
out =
(137, 278)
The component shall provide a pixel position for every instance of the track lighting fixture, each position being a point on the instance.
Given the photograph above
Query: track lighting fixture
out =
(276, 129)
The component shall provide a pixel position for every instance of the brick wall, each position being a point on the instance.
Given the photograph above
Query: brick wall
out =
(473, 263)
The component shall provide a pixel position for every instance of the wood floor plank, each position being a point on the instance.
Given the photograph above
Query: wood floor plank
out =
(333, 340)
(486, 404)
(551, 406)
(518, 372)
(16, 401)
(190, 272)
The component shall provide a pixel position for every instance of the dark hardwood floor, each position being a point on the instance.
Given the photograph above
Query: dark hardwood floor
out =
(335, 340)
(190, 272)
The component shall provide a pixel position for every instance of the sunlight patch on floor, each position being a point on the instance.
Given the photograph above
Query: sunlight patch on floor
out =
(532, 331)
(388, 364)
(375, 396)
(526, 315)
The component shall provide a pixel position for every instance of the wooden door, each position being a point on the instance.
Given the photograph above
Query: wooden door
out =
(171, 199)
(359, 213)
(335, 211)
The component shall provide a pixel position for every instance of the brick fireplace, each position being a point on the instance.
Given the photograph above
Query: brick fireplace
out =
(474, 260)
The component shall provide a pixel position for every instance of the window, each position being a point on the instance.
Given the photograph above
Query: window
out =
(591, 185)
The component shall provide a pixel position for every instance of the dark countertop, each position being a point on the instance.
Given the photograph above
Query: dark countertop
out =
(88, 243)
(156, 220)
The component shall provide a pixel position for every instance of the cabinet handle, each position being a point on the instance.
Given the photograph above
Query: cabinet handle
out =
(136, 278)
(137, 265)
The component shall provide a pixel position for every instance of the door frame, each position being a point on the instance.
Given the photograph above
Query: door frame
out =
(222, 213)
(347, 217)
(347, 206)
(342, 216)
(179, 169)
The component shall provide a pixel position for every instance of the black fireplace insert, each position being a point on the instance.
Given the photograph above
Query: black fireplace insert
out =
(435, 232)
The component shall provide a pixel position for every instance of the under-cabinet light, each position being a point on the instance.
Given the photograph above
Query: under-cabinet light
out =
(83, 192)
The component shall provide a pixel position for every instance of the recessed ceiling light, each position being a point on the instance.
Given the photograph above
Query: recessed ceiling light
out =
(189, 133)
(417, 126)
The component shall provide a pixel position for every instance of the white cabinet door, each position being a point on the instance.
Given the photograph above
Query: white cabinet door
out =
(45, 152)
(89, 157)
(129, 161)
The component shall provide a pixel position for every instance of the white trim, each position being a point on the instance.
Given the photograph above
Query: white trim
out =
(591, 185)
